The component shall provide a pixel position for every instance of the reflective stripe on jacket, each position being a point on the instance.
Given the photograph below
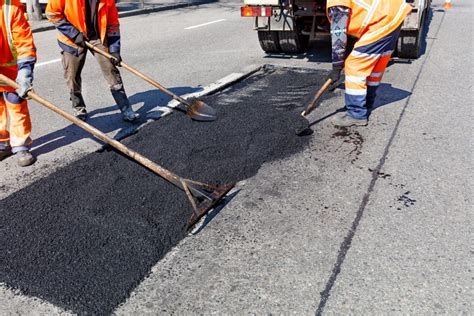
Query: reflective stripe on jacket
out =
(371, 20)
(17, 48)
(68, 16)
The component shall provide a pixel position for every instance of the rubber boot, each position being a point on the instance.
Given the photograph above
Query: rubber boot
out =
(370, 98)
(123, 104)
(25, 158)
(78, 105)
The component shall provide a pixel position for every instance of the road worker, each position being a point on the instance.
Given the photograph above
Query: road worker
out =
(95, 21)
(376, 25)
(17, 60)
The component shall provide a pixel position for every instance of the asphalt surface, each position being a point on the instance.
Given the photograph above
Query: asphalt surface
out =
(374, 220)
(182, 59)
(86, 248)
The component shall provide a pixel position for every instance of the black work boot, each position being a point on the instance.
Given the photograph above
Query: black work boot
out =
(370, 98)
(124, 105)
(78, 105)
(5, 153)
(25, 158)
(81, 114)
(345, 120)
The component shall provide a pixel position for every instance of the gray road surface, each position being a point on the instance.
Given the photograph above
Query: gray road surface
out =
(374, 222)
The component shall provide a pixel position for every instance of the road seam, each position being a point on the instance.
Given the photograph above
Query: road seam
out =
(346, 243)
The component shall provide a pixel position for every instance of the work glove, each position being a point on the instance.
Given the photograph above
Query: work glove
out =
(25, 80)
(335, 74)
(117, 59)
(79, 40)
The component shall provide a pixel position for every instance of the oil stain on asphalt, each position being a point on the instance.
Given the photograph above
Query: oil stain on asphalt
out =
(84, 237)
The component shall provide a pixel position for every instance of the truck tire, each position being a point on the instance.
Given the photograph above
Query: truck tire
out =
(269, 41)
(293, 42)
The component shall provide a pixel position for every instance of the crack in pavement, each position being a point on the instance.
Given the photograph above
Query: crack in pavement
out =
(346, 243)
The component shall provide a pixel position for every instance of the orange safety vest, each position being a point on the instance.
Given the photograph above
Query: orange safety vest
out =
(64, 13)
(16, 40)
(371, 20)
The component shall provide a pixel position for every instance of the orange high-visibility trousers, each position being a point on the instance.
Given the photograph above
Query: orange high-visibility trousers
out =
(15, 123)
(364, 69)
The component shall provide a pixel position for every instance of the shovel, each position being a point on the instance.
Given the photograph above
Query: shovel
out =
(201, 195)
(195, 109)
(303, 129)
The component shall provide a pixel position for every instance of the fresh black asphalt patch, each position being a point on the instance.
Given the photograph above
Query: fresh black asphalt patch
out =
(84, 237)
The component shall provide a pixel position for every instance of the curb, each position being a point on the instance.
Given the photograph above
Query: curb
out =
(125, 14)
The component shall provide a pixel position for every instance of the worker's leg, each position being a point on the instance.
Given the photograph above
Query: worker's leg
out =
(20, 128)
(73, 66)
(387, 46)
(357, 68)
(4, 134)
(373, 81)
(114, 79)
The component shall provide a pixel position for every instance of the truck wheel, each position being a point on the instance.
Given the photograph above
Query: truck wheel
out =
(293, 42)
(269, 41)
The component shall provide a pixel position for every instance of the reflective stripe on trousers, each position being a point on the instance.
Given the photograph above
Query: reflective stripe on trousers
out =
(365, 67)
(15, 133)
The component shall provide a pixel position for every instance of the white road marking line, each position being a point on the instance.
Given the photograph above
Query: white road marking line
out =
(48, 62)
(204, 24)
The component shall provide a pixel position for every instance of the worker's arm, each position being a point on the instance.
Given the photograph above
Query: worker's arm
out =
(113, 31)
(55, 14)
(339, 16)
(22, 40)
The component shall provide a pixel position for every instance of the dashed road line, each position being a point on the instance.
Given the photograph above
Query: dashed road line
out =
(204, 24)
(48, 62)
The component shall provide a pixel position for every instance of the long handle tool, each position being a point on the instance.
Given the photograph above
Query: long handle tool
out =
(201, 195)
(196, 109)
(301, 130)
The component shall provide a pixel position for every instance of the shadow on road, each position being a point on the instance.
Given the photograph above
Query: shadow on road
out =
(110, 122)
(386, 94)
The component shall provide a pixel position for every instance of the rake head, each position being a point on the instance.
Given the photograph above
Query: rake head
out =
(203, 197)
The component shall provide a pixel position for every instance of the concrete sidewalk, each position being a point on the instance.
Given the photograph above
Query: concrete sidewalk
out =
(130, 8)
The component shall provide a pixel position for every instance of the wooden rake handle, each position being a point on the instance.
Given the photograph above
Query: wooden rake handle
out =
(137, 73)
(171, 177)
(312, 105)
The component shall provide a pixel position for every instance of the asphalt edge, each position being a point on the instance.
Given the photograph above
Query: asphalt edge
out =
(140, 12)
(212, 88)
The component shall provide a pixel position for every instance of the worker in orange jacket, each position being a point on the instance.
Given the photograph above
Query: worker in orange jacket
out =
(376, 25)
(17, 60)
(97, 22)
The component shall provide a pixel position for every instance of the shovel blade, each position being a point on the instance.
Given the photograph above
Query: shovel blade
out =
(302, 127)
(200, 111)
(205, 202)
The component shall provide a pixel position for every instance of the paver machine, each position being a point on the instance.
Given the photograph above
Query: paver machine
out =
(287, 26)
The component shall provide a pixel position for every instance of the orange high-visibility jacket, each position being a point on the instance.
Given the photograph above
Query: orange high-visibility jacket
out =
(371, 20)
(68, 16)
(17, 48)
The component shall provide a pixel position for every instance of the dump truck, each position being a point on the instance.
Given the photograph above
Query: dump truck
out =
(287, 26)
